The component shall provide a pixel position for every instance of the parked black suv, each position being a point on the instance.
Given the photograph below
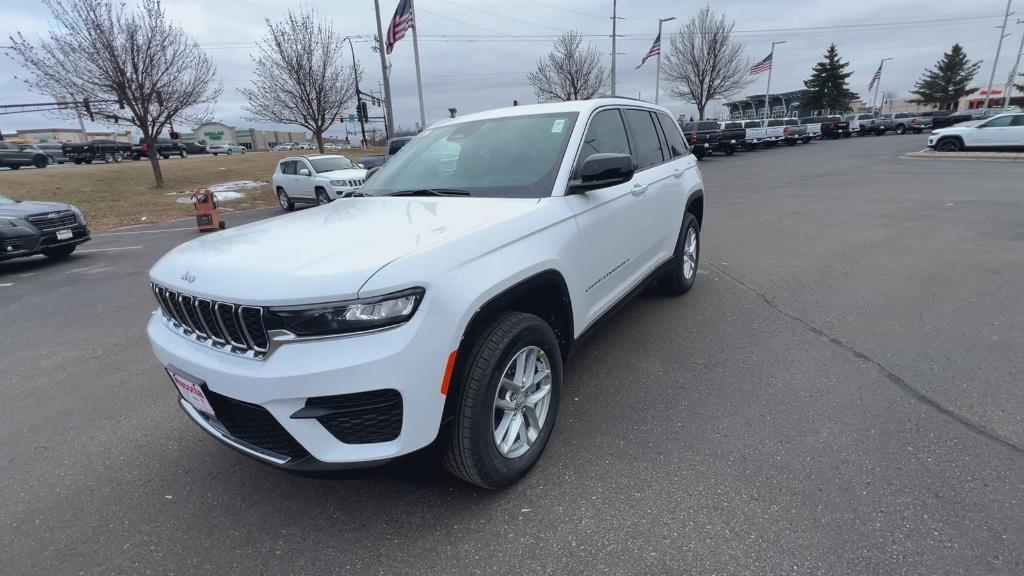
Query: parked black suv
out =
(702, 137)
(165, 147)
(52, 229)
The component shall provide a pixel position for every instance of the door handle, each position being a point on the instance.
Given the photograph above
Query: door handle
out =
(677, 173)
(638, 189)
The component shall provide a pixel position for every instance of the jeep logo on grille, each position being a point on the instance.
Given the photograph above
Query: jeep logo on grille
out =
(188, 277)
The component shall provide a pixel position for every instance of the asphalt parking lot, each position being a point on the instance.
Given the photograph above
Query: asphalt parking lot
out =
(841, 393)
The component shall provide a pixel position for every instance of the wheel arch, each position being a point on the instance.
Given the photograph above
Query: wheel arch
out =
(695, 206)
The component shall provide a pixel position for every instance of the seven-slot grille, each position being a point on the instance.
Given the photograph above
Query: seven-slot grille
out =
(60, 219)
(231, 327)
(353, 183)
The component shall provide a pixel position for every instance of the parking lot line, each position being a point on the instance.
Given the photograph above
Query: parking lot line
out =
(111, 249)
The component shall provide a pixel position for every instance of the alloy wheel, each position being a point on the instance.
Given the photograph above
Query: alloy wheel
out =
(690, 254)
(521, 402)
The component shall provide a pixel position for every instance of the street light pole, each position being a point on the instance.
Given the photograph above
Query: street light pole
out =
(388, 114)
(768, 90)
(614, 20)
(657, 74)
(1016, 68)
(359, 97)
(874, 98)
(999, 47)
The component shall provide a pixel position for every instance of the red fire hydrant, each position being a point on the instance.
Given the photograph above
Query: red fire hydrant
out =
(207, 214)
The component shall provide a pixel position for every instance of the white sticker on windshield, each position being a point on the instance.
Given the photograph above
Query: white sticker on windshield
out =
(556, 128)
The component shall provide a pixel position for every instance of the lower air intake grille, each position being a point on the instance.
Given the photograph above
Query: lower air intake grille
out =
(253, 425)
(361, 418)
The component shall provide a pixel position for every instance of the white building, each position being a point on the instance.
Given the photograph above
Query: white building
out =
(251, 138)
(72, 135)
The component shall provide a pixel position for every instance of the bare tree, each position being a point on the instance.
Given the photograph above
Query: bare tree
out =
(300, 75)
(704, 62)
(133, 65)
(569, 71)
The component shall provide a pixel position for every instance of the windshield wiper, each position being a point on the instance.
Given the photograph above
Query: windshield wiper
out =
(430, 192)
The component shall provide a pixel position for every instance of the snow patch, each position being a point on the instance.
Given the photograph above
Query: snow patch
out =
(227, 191)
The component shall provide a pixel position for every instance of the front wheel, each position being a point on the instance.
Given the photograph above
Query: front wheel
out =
(682, 273)
(243, 151)
(58, 252)
(183, 153)
(118, 157)
(41, 161)
(108, 158)
(949, 145)
(901, 129)
(322, 197)
(507, 401)
(230, 152)
(50, 161)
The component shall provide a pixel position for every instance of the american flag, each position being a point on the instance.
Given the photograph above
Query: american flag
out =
(654, 51)
(761, 66)
(400, 23)
(876, 77)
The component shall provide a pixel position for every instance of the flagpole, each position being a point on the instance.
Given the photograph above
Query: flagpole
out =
(768, 90)
(416, 55)
(874, 98)
(999, 48)
(657, 75)
(1008, 91)
(389, 115)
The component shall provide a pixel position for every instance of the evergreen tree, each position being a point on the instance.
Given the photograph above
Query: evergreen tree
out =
(948, 82)
(828, 85)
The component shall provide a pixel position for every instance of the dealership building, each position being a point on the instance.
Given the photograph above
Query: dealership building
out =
(67, 135)
(251, 138)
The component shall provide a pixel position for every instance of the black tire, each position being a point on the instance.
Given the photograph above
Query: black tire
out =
(916, 130)
(900, 129)
(790, 142)
(108, 158)
(50, 160)
(183, 153)
(949, 145)
(471, 452)
(77, 160)
(322, 197)
(14, 166)
(118, 157)
(243, 151)
(214, 153)
(284, 200)
(229, 152)
(729, 151)
(40, 162)
(699, 154)
(837, 136)
(846, 134)
(165, 156)
(676, 280)
(807, 140)
(58, 252)
(88, 160)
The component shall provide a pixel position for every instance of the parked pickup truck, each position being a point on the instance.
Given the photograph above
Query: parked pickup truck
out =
(731, 136)
(861, 124)
(925, 120)
(165, 147)
(756, 134)
(813, 127)
(776, 132)
(702, 137)
(792, 131)
(106, 150)
(898, 122)
(833, 127)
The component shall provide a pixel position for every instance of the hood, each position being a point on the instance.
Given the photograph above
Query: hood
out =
(22, 209)
(349, 174)
(325, 253)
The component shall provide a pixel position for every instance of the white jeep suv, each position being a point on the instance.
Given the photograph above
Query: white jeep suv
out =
(1002, 131)
(316, 179)
(440, 305)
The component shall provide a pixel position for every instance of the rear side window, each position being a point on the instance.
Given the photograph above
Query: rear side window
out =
(709, 126)
(791, 122)
(288, 167)
(752, 124)
(1018, 120)
(605, 135)
(645, 136)
(998, 122)
(733, 125)
(676, 146)
(690, 127)
(775, 122)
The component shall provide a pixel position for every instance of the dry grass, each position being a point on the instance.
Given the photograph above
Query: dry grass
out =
(113, 195)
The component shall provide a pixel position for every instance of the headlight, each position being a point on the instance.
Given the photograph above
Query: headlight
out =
(341, 183)
(81, 216)
(347, 317)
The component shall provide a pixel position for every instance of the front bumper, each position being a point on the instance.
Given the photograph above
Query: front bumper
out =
(18, 242)
(409, 359)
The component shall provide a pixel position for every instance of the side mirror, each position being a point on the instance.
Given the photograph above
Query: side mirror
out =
(602, 171)
(370, 172)
(304, 172)
(361, 166)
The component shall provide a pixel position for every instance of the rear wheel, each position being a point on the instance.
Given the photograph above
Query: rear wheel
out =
(507, 401)
(14, 166)
(88, 160)
(77, 160)
(41, 161)
(229, 152)
(243, 151)
(286, 203)
(118, 157)
(49, 160)
(901, 129)
(683, 272)
(730, 150)
(183, 153)
(58, 252)
(108, 158)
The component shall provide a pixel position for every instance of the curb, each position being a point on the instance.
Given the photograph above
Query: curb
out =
(928, 154)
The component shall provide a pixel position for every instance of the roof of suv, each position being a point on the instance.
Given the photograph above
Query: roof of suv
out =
(582, 106)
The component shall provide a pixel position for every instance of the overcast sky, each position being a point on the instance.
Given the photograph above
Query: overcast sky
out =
(475, 54)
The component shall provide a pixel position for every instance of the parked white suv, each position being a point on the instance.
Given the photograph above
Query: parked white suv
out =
(316, 179)
(1002, 131)
(439, 306)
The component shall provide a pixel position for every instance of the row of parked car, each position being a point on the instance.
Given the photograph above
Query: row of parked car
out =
(15, 156)
(708, 137)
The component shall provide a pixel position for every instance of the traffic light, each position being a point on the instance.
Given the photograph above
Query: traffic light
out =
(363, 113)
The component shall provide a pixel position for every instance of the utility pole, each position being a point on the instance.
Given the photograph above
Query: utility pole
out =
(657, 75)
(416, 56)
(999, 47)
(359, 96)
(614, 20)
(768, 90)
(1008, 92)
(877, 85)
(389, 116)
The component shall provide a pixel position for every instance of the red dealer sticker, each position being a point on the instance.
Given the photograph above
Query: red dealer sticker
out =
(192, 393)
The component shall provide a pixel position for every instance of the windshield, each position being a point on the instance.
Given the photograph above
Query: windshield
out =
(6, 200)
(331, 163)
(508, 157)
